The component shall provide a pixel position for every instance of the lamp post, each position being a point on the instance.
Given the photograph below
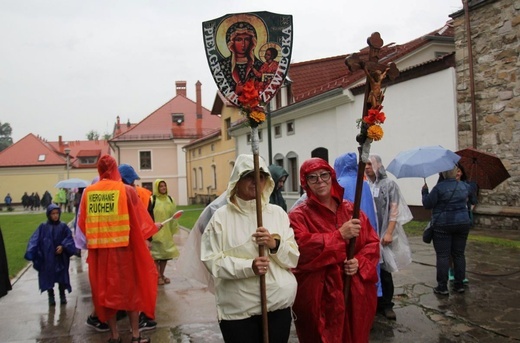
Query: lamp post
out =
(67, 151)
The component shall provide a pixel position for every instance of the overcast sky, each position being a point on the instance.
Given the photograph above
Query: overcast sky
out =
(68, 67)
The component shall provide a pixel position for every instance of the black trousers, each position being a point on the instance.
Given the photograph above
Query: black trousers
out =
(249, 330)
(450, 242)
(387, 286)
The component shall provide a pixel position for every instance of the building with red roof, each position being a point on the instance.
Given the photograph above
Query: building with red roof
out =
(155, 145)
(35, 165)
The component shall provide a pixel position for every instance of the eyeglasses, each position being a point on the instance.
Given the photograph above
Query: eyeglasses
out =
(313, 178)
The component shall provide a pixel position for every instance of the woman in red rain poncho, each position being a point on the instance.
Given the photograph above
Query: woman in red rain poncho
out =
(323, 225)
(121, 278)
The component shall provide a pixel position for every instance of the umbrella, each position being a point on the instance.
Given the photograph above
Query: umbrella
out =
(486, 170)
(423, 162)
(72, 183)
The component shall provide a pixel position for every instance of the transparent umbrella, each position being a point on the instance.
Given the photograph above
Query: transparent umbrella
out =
(422, 162)
(72, 183)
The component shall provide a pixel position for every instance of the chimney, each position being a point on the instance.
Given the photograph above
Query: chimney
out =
(180, 88)
(128, 123)
(60, 142)
(198, 99)
(118, 127)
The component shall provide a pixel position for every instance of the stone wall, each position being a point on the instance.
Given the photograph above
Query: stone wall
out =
(495, 35)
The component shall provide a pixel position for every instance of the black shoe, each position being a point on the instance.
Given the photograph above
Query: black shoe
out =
(96, 324)
(459, 289)
(441, 291)
(389, 314)
(146, 324)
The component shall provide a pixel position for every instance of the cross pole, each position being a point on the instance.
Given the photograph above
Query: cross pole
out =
(375, 73)
(259, 222)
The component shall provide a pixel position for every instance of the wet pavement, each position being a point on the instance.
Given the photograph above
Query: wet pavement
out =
(489, 310)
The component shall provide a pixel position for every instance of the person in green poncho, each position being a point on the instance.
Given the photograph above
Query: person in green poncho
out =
(161, 207)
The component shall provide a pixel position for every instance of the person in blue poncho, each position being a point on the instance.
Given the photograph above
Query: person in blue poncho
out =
(50, 248)
(346, 167)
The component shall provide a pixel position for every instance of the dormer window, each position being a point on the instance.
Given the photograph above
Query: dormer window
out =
(41, 158)
(177, 118)
(88, 160)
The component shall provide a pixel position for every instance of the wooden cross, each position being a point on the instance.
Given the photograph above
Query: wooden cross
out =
(374, 71)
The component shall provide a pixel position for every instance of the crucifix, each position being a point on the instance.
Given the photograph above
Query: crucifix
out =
(375, 73)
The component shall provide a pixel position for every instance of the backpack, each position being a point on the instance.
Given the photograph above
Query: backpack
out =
(151, 205)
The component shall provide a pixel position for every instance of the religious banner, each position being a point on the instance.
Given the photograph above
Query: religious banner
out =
(249, 50)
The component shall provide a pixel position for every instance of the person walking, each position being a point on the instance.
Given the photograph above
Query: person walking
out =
(122, 273)
(392, 214)
(162, 207)
(50, 248)
(448, 201)
(323, 226)
(128, 175)
(229, 250)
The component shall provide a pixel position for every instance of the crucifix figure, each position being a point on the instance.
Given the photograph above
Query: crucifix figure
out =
(375, 71)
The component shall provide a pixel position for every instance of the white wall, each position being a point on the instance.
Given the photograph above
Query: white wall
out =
(419, 112)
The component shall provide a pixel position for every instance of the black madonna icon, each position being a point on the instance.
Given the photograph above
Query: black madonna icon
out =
(248, 47)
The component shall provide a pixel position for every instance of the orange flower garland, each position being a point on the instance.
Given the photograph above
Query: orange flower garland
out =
(249, 100)
(375, 132)
(370, 125)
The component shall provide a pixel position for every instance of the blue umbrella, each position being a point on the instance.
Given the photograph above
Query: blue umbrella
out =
(423, 162)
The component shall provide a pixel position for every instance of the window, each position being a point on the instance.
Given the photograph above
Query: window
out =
(228, 127)
(148, 186)
(278, 131)
(290, 128)
(194, 178)
(193, 153)
(294, 180)
(145, 160)
(200, 151)
(177, 118)
(322, 153)
(214, 172)
(212, 147)
(278, 100)
(88, 160)
(41, 158)
(201, 178)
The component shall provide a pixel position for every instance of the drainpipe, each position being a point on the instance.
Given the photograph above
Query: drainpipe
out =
(471, 76)
(115, 147)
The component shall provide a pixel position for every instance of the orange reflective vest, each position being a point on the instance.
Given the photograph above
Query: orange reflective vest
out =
(107, 223)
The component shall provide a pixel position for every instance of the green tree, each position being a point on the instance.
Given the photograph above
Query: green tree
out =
(92, 135)
(5, 135)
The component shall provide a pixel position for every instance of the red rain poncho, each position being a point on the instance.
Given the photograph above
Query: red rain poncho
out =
(320, 304)
(123, 278)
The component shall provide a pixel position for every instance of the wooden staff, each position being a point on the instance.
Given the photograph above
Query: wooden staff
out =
(375, 73)
(261, 248)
